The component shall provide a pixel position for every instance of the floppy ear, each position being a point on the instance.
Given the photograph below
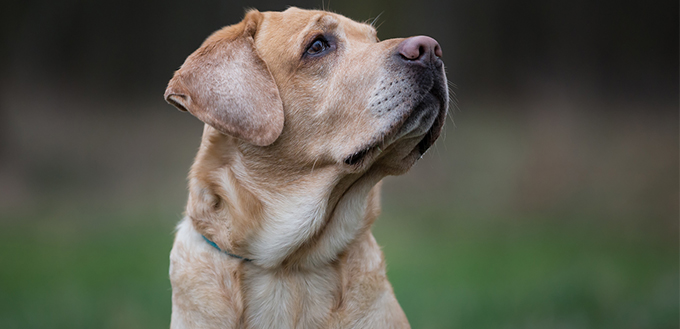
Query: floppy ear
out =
(227, 85)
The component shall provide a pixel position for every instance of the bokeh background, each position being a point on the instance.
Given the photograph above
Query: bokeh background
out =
(551, 201)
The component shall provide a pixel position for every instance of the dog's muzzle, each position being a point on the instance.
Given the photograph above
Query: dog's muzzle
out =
(413, 99)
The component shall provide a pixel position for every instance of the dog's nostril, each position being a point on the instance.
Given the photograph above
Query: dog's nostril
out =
(438, 51)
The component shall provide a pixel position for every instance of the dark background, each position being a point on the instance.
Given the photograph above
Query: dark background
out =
(551, 202)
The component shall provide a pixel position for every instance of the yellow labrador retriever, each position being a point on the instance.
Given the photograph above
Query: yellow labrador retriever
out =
(305, 112)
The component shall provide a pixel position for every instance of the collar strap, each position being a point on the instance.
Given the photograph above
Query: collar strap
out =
(214, 245)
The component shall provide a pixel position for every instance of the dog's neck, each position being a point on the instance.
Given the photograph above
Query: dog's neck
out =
(306, 221)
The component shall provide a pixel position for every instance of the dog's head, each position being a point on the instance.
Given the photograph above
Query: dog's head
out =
(304, 89)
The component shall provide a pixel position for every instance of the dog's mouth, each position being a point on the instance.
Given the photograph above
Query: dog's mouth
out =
(428, 116)
(359, 156)
(434, 116)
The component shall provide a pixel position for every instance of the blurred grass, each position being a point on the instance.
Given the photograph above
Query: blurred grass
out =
(73, 274)
(472, 273)
(505, 273)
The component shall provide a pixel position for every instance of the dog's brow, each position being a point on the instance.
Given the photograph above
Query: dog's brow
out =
(325, 23)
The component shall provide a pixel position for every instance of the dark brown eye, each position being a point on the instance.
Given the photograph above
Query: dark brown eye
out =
(318, 46)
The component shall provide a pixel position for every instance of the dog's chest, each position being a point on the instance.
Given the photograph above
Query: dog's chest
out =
(285, 299)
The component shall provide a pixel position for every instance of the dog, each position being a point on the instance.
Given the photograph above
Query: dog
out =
(305, 112)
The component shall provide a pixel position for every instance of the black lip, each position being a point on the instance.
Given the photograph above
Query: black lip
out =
(430, 138)
(433, 133)
(357, 157)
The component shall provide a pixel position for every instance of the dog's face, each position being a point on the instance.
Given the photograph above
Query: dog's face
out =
(301, 89)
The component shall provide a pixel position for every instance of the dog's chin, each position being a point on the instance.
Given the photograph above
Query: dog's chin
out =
(398, 149)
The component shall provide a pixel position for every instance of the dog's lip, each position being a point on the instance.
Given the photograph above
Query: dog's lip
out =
(371, 151)
(429, 138)
(357, 157)
(435, 129)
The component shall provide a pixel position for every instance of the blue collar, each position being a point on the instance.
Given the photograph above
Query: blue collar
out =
(222, 251)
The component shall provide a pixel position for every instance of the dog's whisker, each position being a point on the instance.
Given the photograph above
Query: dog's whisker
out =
(450, 115)
(375, 20)
(313, 165)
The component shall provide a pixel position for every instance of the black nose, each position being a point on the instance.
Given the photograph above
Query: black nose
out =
(420, 48)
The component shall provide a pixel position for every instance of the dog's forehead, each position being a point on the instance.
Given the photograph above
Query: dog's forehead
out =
(293, 25)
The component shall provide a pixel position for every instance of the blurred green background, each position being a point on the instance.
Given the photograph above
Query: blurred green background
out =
(551, 202)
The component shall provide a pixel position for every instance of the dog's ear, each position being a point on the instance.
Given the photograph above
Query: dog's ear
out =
(227, 85)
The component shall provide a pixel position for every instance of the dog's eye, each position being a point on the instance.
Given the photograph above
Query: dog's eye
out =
(318, 46)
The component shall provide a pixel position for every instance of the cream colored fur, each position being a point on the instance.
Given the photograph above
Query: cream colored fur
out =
(277, 179)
